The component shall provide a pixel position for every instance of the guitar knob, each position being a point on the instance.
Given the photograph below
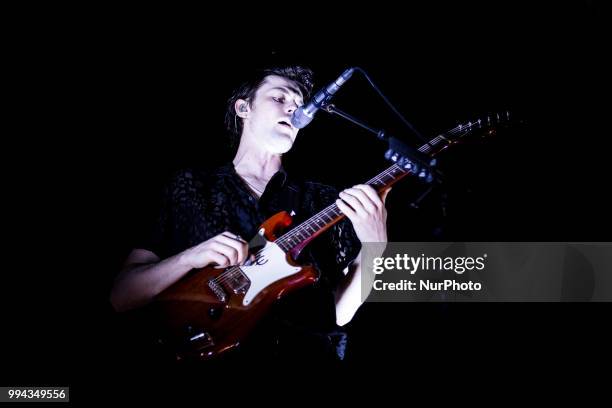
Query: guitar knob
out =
(215, 312)
(388, 154)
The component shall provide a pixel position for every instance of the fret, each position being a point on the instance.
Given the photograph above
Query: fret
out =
(326, 220)
(335, 211)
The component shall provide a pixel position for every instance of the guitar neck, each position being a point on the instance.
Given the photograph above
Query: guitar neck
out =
(330, 215)
(299, 236)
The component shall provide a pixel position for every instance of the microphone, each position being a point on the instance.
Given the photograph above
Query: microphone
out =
(305, 113)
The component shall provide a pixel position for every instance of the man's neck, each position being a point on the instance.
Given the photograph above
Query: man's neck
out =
(256, 164)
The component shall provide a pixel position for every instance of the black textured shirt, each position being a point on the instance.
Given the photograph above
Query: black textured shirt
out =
(198, 205)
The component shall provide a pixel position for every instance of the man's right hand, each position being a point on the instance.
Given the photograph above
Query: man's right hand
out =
(225, 249)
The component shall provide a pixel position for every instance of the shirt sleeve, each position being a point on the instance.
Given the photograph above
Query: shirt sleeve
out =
(163, 231)
(155, 224)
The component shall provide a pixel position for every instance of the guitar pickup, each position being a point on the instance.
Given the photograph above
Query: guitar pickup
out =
(239, 283)
(217, 290)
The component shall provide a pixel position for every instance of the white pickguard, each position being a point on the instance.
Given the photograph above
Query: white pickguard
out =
(270, 267)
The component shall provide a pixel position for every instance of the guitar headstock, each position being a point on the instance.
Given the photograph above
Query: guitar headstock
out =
(485, 126)
(489, 123)
(424, 168)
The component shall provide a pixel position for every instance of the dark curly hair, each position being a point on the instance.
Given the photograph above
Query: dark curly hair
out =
(302, 76)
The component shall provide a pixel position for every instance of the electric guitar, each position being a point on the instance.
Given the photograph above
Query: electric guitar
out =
(210, 311)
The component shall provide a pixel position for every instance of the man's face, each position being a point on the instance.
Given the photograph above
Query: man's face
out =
(269, 118)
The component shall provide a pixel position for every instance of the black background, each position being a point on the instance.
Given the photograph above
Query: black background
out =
(116, 100)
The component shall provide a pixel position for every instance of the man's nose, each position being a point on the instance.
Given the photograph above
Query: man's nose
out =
(291, 107)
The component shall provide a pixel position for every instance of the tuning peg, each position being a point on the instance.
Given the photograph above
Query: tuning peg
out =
(405, 164)
(425, 175)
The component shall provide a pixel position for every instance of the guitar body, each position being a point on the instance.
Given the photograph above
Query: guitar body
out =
(212, 310)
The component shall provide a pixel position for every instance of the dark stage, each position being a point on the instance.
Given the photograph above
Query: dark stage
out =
(146, 101)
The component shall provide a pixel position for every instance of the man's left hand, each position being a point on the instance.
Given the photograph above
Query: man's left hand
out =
(366, 210)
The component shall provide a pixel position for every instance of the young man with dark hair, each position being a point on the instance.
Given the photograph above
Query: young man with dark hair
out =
(205, 215)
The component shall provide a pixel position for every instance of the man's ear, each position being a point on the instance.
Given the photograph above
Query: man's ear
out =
(242, 108)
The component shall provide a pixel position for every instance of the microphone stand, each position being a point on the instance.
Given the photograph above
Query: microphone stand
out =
(398, 151)
(404, 156)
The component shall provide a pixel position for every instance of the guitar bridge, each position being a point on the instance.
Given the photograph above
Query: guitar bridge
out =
(236, 283)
